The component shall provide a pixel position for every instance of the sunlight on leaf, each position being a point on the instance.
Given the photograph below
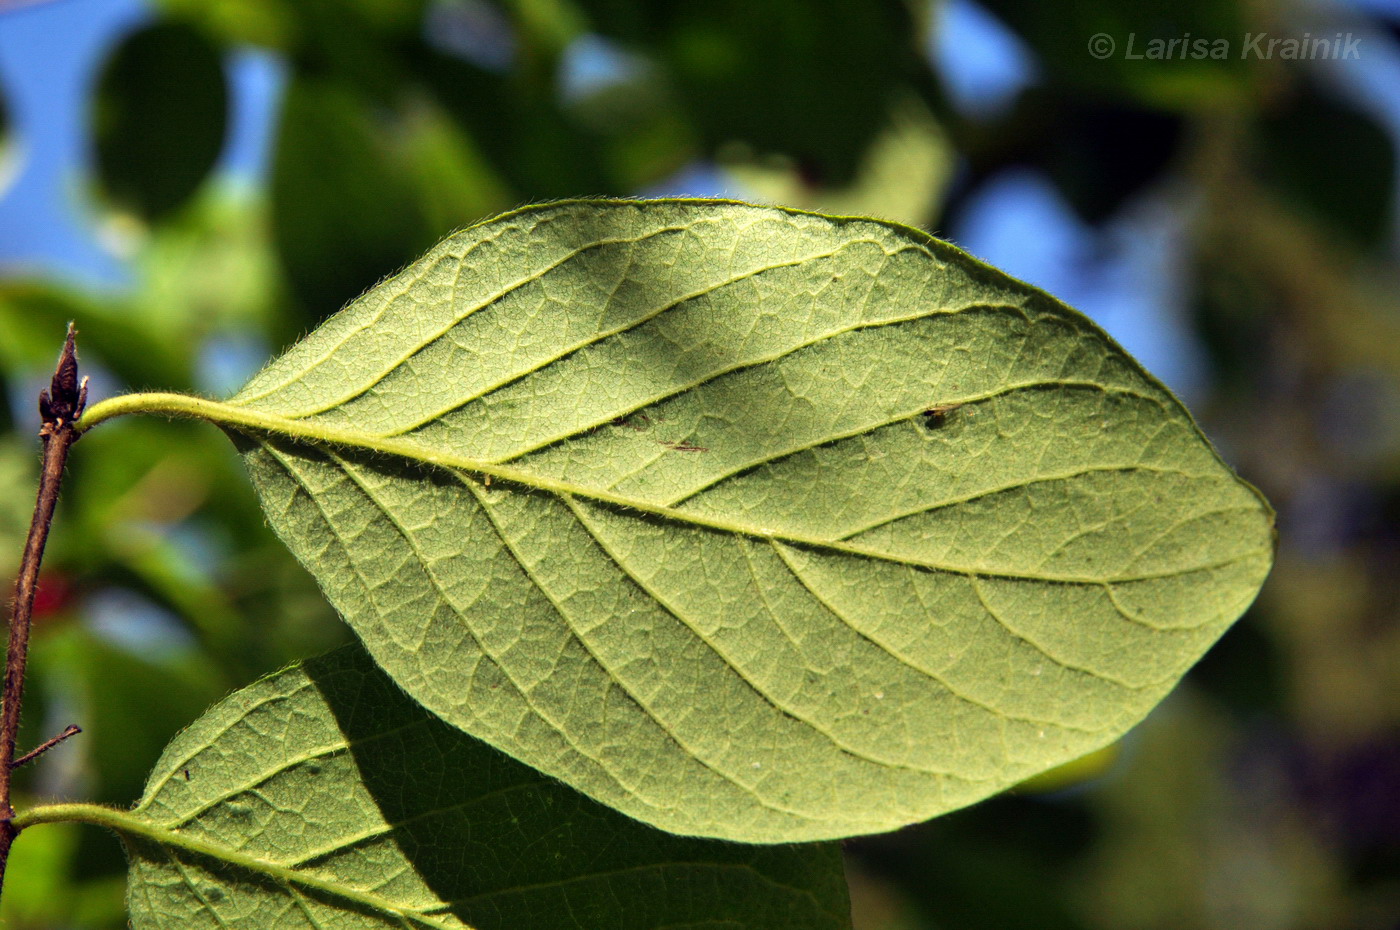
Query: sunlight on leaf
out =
(748, 522)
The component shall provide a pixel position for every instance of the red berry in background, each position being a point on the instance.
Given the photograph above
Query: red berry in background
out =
(53, 595)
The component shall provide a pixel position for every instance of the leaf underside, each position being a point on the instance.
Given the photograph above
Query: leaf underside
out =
(751, 523)
(323, 797)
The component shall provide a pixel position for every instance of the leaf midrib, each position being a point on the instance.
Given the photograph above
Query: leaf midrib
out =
(244, 420)
(630, 790)
(129, 824)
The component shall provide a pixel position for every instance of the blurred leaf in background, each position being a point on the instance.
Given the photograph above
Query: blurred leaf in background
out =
(161, 110)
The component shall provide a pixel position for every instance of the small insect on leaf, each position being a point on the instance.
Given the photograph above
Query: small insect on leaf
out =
(936, 417)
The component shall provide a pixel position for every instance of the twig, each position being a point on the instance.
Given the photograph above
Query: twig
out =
(59, 406)
(71, 730)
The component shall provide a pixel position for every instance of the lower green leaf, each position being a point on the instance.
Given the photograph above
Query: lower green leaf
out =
(322, 797)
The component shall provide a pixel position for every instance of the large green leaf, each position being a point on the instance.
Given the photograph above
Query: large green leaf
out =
(322, 797)
(648, 495)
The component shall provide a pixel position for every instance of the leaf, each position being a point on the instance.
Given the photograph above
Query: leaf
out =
(903, 174)
(774, 77)
(343, 204)
(1070, 55)
(323, 797)
(1350, 194)
(161, 110)
(748, 522)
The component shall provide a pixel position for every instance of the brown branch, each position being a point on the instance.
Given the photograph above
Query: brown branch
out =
(71, 730)
(59, 406)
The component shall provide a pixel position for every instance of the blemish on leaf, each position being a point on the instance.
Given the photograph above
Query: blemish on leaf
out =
(638, 423)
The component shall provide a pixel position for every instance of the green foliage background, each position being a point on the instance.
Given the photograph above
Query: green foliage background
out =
(1263, 794)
